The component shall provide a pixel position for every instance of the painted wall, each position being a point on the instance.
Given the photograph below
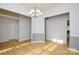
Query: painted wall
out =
(38, 24)
(56, 27)
(64, 8)
(14, 7)
(8, 28)
(74, 29)
(74, 12)
(38, 28)
(24, 28)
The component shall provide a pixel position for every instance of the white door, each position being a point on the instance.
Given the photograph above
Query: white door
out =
(8, 29)
(56, 27)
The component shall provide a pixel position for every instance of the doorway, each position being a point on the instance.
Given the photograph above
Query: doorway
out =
(58, 28)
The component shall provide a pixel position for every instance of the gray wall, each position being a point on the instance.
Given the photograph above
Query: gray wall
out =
(74, 42)
(38, 37)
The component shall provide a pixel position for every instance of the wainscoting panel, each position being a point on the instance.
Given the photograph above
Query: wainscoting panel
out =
(38, 37)
(74, 43)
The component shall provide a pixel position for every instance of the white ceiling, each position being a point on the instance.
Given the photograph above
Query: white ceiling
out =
(41, 6)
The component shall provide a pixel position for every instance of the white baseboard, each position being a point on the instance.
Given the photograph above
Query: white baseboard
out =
(22, 39)
(4, 41)
(7, 40)
(37, 41)
(58, 41)
(74, 50)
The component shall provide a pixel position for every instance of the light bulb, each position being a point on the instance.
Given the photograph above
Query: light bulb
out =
(38, 11)
(32, 10)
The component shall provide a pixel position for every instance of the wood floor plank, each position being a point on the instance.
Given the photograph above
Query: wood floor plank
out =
(27, 48)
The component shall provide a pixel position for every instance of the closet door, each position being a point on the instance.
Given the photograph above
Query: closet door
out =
(13, 29)
(4, 31)
(56, 27)
(8, 28)
(24, 28)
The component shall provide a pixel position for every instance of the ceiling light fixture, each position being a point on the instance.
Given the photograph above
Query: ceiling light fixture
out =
(35, 12)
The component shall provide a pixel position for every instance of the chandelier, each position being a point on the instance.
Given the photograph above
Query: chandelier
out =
(35, 11)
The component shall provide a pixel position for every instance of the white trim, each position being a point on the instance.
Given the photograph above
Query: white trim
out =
(4, 41)
(8, 16)
(37, 41)
(74, 36)
(23, 39)
(58, 41)
(7, 40)
(74, 50)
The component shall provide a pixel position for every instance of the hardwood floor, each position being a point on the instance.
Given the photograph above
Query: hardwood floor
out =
(15, 47)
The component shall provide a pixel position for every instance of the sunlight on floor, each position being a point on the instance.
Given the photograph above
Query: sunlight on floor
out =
(58, 41)
(5, 50)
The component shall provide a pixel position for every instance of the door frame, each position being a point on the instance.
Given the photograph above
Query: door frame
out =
(67, 39)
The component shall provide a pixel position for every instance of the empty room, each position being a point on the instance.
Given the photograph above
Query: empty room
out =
(39, 29)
